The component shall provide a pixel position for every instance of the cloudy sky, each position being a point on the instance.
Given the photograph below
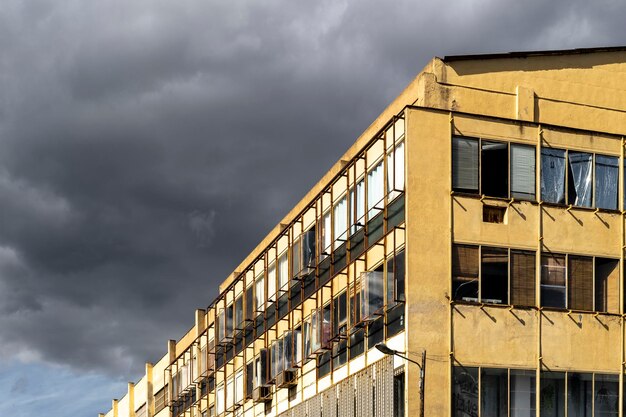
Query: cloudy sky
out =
(146, 146)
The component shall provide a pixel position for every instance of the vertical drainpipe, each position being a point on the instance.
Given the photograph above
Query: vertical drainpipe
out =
(450, 306)
(114, 408)
(621, 196)
(538, 268)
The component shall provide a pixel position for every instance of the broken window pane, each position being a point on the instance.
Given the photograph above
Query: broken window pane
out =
(579, 178)
(607, 175)
(579, 398)
(553, 280)
(522, 393)
(465, 165)
(495, 274)
(580, 288)
(493, 392)
(464, 392)
(494, 171)
(522, 278)
(465, 272)
(607, 285)
(522, 171)
(552, 399)
(553, 175)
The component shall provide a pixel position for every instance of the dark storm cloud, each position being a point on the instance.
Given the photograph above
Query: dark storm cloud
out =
(147, 146)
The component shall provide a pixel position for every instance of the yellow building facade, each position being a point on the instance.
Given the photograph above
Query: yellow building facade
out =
(463, 258)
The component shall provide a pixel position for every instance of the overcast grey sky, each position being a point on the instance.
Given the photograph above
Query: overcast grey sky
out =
(147, 146)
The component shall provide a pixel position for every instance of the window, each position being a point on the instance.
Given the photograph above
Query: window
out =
(326, 236)
(581, 169)
(296, 258)
(494, 169)
(465, 165)
(499, 282)
(340, 217)
(523, 172)
(239, 319)
(250, 303)
(259, 293)
(523, 389)
(230, 393)
(249, 379)
(239, 386)
(395, 171)
(372, 293)
(160, 399)
(283, 271)
(494, 392)
(506, 169)
(580, 283)
(552, 395)
(494, 275)
(357, 206)
(219, 399)
(271, 281)
(607, 177)
(375, 189)
(398, 395)
(553, 280)
(464, 392)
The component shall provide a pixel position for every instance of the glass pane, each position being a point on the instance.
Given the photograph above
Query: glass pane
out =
(494, 392)
(553, 281)
(464, 392)
(607, 177)
(522, 393)
(552, 400)
(579, 395)
(522, 171)
(283, 271)
(553, 175)
(579, 177)
(465, 165)
(606, 396)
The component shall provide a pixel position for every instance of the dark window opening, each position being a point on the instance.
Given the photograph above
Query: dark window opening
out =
(494, 392)
(494, 173)
(398, 395)
(493, 214)
(495, 271)
(607, 285)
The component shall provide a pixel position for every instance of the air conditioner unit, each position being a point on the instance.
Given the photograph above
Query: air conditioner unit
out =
(261, 394)
(286, 379)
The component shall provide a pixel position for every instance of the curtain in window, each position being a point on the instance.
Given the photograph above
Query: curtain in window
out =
(375, 186)
(580, 275)
(553, 175)
(465, 272)
(465, 164)
(579, 192)
(522, 278)
(606, 182)
(340, 213)
(522, 171)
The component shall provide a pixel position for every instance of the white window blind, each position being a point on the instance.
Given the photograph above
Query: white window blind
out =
(522, 171)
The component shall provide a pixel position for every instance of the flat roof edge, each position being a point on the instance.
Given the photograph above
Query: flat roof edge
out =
(528, 54)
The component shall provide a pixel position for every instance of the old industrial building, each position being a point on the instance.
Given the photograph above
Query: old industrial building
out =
(464, 258)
